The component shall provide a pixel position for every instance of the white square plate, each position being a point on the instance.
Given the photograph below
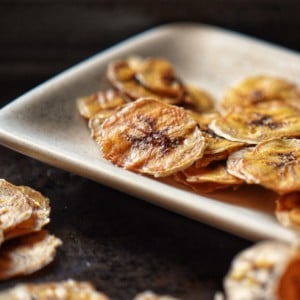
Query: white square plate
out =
(44, 122)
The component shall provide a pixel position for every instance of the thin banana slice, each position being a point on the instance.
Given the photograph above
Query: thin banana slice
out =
(22, 210)
(275, 164)
(123, 75)
(258, 89)
(208, 179)
(288, 210)
(259, 122)
(148, 136)
(64, 290)
(268, 270)
(103, 101)
(149, 295)
(27, 254)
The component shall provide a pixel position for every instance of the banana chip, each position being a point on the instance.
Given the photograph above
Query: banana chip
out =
(275, 164)
(258, 89)
(101, 102)
(267, 270)
(259, 122)
(27, 254)
(22, 210)
(149, 295)
(148, 136)
(65, 290)
(288, 210)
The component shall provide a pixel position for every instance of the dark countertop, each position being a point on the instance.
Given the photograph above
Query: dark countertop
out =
(121, 244)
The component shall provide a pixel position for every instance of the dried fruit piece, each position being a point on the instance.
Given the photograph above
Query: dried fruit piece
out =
(208, 179)
(288, 210)
(101, 102)
(267, 270)
(65, 290)
(258, 89)
(275, 164)
(22, 210)
(27, 254)
(123, 75)
(150, 137)
(259, 122)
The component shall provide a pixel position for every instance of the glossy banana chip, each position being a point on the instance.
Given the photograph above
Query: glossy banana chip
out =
(27, 254)
(64, 290)
(136, 78)
(151, 137)
(288, 210)
(258, 89)
(208, 179)
(275, 164)
(259, 122)
(101, 102)
(268, 270)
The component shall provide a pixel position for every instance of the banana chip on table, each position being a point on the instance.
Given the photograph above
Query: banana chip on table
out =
(269, 270)
(258, 89)
(288, 210)
(274, 164)
(22, 210)
(104, 102)
(151, 137)
(27, 254)
(65, 290)
(149, 295)
(208, 179)
(256, 123)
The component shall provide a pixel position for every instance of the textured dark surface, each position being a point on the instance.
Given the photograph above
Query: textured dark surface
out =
(121, 244)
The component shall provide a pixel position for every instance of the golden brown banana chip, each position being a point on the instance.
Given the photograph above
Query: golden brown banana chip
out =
(27, 254)
(288, 210)
(23, 210)
(148, 136)
(275, 164)
(208, 179)
(123, 75)
(103, 101)
(268, 270)
(259, 122)
(64, 290)
(260, 89)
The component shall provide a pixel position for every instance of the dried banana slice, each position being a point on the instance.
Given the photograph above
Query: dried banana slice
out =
(208, 179)
(123, 76)
(65, 290)
(275, 164)
(27, 254)
(258, 89)
(268, 270)
(22, 210)
(288, 210)
(149, 295)
(101, 102)
(148, 136)
(259, 122)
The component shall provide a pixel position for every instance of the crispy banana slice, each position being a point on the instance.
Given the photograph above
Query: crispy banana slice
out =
(23, 210)
(65, 290)
(149, 295)
(123, 75)
(197, 99)
(148, 136)
(268, 270)
(259, 122)
(208, 179)
(101, 102)
(275, 164)
(27, 254)
(258, 89)
(288, 210)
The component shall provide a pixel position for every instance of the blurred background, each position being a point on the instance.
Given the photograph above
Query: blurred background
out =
(127, 245)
